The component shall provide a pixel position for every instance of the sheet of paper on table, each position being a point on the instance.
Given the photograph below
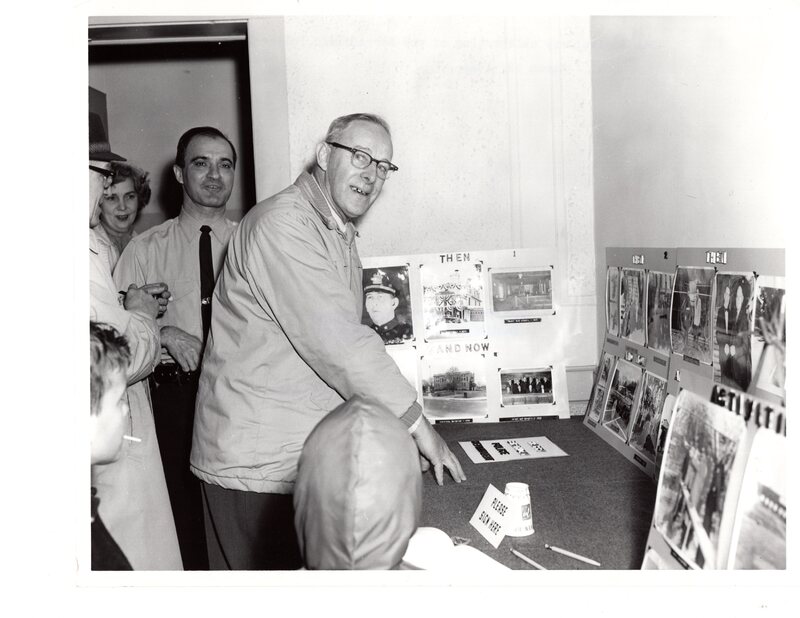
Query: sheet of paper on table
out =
(508, 449)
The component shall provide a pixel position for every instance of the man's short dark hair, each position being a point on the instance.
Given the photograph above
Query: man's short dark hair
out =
(338, 126)
(109, 353)
(183, 142)
(140, 178)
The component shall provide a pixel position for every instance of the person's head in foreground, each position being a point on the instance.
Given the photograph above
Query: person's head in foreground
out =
(109, 358)
(358, 492)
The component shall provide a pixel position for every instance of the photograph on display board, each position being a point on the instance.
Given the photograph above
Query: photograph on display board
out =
(768, 343)
(606, 364)
(759, 532)
(454, 386)
(659, 293)
(522, 293)
(595, 409)
(632, 305)
(694, 481)
(612, 300)
(691, 318)
(663, 428)
(453, 300)
(733, 309)
(622, 397)
(526, 387)
(644, 432)
(387, 303)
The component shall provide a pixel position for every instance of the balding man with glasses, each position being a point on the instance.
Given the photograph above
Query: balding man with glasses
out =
(287, 346)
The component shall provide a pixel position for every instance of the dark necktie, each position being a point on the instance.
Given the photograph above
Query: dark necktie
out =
(206, 278)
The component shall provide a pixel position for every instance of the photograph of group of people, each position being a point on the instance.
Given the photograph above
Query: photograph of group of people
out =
(632, 404)
(622, 398)
(695, 479)
(732, 321)
(647, 420)
(527, 387)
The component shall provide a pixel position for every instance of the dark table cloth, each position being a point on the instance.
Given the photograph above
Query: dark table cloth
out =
(594, 502)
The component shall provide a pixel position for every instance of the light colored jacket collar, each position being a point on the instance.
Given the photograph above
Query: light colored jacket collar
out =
(322, 205)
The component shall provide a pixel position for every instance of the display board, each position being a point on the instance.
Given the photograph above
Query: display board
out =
(479, 334)
(630, 389)
(721, 500)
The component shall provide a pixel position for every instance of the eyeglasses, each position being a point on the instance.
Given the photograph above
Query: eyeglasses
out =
(108, 175)
(363, 160)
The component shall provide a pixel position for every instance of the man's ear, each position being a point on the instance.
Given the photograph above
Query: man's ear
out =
(395, 302)
(323, 152)
(178, 171)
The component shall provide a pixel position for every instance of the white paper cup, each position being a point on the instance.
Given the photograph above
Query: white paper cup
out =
(518, 518)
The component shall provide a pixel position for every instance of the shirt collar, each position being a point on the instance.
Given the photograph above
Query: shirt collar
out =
(191, 225)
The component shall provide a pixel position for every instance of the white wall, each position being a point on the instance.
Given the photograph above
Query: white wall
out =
(687, 133)
(470, 104)
(491, 123)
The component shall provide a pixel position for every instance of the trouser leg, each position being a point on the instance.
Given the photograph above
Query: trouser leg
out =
(250, 531)
(173, 409)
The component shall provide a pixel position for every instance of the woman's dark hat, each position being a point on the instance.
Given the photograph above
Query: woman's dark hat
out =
(99, 148)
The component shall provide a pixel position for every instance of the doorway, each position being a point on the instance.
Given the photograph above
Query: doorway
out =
(160, 79)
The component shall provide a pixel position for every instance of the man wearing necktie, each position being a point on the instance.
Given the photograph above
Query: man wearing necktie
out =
(725, 332)
(187, 253)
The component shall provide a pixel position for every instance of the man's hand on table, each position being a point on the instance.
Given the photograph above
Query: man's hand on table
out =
(434, 451)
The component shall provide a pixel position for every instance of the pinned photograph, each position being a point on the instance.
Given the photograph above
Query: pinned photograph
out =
(644, 432)
(690, 314)
(659, 293)
(733, 365)
(663, 428)
(694, 482)
(605, 368)
(632, 305)
(387, 303)
(759, 530)
(622, 397)
(525, 387)
(453, 300)
(454, 387)
(612, 300)
(522, 292)
(768, 343)
(595, 409)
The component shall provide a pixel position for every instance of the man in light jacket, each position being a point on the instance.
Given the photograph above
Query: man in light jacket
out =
(287, 346)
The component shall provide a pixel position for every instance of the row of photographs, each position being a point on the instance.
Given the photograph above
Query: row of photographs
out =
(454, 299)
(473, 387)
(727, 320)
(633, 405)
(701, 487)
